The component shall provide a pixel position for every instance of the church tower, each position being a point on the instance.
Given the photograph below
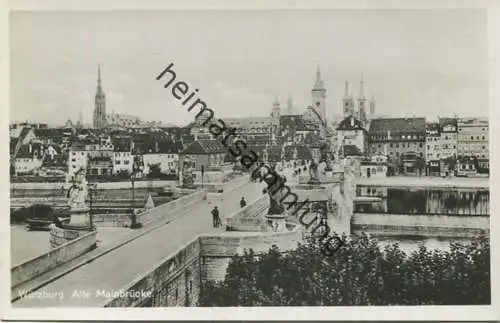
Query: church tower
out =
(347, 101)
(276, 111)
(362, 102)
(318, 94)
(372, 106)
(100, 104)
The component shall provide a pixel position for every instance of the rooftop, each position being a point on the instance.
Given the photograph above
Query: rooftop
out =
(397, 125)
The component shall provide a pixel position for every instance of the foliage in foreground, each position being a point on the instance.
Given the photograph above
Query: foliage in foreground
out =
(359, 273)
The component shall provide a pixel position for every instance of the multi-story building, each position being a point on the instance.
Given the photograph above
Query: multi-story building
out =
(394, 137)
(449, 135)
(432, 142)
(208, 154)
(122, 155)
(29, 158)
(165, 154)
(350, 132)
(473, 137)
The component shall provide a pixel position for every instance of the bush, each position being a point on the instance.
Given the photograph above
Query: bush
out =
(359, 273)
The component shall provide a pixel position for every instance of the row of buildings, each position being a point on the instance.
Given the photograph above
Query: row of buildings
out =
(118, 142)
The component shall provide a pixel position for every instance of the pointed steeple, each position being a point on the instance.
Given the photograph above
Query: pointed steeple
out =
(289, 103)
(99, 82)
(80, 118)
(318, 84)
(362, 88)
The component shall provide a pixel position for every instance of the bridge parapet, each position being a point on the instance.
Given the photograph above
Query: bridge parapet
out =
(175, 281)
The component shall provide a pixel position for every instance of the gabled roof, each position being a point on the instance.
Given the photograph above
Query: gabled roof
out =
(24, 133)
(397, 125)
(204, 147)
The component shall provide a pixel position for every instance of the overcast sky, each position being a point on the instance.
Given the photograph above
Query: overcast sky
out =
(425, 63)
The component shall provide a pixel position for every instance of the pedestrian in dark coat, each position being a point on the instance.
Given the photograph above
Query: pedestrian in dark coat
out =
(215, 217)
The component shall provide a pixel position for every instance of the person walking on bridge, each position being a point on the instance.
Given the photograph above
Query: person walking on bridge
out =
(243, 203)
(215, 217)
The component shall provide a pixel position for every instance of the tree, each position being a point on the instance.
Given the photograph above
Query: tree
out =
(359, 273)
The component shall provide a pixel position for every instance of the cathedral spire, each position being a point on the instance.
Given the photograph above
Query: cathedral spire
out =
(99, 82)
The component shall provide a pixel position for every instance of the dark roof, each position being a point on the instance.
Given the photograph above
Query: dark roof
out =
(351, 150)
(24, 133)
(13, 145)
(203, 147)
(51, 133)
(24, 151)
(121, 143)
(397, 125)
(293, 122)
(447, 121)
(350, 123)
(432, 126)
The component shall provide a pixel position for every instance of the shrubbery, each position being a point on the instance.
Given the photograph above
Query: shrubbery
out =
(359, 273)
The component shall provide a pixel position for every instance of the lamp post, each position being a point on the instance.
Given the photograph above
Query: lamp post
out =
(92, 188)
(202, 174)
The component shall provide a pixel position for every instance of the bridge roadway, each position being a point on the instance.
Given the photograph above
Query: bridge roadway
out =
(115, 270)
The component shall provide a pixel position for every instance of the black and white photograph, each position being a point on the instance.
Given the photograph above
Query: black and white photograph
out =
(221, 158)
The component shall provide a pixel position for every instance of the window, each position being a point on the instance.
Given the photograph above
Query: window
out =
(74, 154)
(397, 153)
(73, 159)
(484, 147)
(397, 145)
(126, 162)
(117, 162)
(471, 137)
(176, 293)
(421, 145)
(483, 137)
(391, 145)
(428, 147)
(379, 146)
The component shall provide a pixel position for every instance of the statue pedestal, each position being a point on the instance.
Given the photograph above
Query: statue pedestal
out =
(276, 223)
(80, 219)
(78, 225)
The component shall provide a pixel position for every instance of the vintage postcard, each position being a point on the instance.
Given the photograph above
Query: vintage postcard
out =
(305, 160)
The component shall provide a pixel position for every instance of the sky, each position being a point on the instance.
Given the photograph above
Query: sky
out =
(426, 63)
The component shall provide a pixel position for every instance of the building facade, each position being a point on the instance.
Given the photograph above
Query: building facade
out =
(449, 136)
(395, 137)
(432, 142)
(350, 132)
(473, 137)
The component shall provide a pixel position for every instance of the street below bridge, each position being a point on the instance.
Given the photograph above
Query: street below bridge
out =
(115, 270)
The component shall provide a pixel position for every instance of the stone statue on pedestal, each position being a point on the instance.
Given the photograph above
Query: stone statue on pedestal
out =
(77, 193)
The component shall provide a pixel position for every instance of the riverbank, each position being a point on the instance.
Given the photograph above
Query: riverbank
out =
(99, 186)
(426, 181)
